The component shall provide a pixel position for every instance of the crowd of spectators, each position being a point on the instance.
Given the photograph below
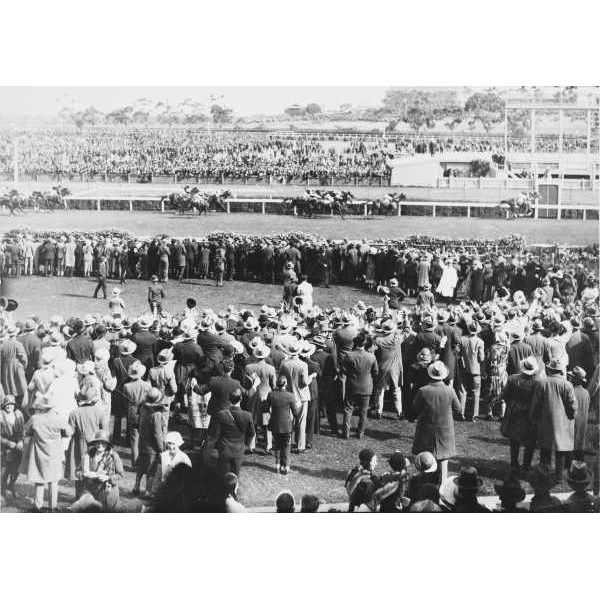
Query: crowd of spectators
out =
(217, 156)
(235, 381)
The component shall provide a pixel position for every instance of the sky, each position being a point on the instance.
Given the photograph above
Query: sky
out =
(36, 101)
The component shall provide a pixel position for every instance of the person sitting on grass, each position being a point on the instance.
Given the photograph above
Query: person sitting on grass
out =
(309, 504)
(579, 480)
(391, 495)
(468, 485)
(510, 493)
(542, 481)
(361, 481)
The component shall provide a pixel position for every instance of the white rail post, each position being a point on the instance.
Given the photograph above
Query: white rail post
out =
(130, 205)
(162, 206)
(228, 207)
(433, 212)
(468, 211)
(98, 204)
(365, 209)
(263, 207)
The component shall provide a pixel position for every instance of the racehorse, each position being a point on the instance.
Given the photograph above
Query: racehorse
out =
(387, 206)
(14, 201)
(195, 199)
(320, 202)
(522, 206)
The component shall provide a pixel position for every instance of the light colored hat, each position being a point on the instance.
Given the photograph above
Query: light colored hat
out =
(425, 462)
(43, 402)
(127, 347)
(116, 291)
(307, 349)
(292, 348)
(251, 323)
(529, 365)
(145, 321)
(261, 351)
(86, 368)
(47, 355)
(136, 370)
(206, 323)
(174, 437)
(437, 370)
(164, 356)
(102, 354)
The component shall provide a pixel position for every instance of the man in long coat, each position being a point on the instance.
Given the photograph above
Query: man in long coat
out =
(433, 406)
(553, 411)
(13, 363)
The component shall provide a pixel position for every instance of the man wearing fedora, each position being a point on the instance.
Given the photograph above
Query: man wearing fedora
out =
(388, 352)
(542, 481)
(80, 348)
(101, 275)
(135, 392)
(360, 370)
(579, 480)
(282, 408)
(539, 345)
(32, 344)
(120, 367)
(231, 431)
(516, 425)
(553, 411)
(579, 348)
(295, 370)
(517, 351)
(13, 365)
(578, 378)
(468, 485)
(472, 355)
(327, 381)
(510, 493)
(433, 406)
(156, 296)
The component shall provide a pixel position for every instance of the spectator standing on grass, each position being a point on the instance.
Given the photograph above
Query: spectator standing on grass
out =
(156, 296)
(101, 275)
(433, 407)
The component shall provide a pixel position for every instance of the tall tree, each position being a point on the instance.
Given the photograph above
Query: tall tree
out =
(414, 107)
(486, 108)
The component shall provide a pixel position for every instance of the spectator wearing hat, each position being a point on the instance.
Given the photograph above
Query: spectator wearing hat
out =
(32, 345)
(145, 341)
(542, 481)
(539, 345)
(361, 481)
(425, 298)
(433, 406)
(80, 347)
(13, 364)
(220, 387)
(88, 418)
(156, 296)
(116, 305)
(360, 369)
(327, 381)
(427, 474)
(517, 351)
(471, 357)
(213, 346)
(314, 373)
(101, 471)
(162, 378)
(43, 450)
(120, 368)
(496, 358)
(107, 380)
(446, 328)
(468, 485)
(101, 275)
(448, 281)
(416, 377)
(578, 378)
(510, 493)
(579, 480)
(135, 392)
(553, 411)
(12, 427)
(391, 494)
(282, 409)
(579, 348)
(388, 352)
(427, 336)
(231, 431)
(170, 458)
(151, 441)
(189, 359)
(516, 425)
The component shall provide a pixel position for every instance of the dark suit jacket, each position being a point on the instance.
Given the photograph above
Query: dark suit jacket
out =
(233, 430)
(282, 405)
(361, 369)
(220, 389)
(212, 345)
(144, 352)
(80, 348)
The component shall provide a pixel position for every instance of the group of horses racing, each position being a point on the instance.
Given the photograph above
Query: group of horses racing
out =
(193, 198)
(521, 206)
(342, 203)
(16, 202)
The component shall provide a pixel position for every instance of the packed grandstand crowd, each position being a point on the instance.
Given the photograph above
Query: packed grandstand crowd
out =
(216, 156)
(490, 323)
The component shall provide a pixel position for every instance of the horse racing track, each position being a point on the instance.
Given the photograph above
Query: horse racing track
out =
(149, 224)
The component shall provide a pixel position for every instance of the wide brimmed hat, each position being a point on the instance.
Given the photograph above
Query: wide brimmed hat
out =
(12, 331)
(87, 396)
(206, 323)
(174, 437)
(307, 349)
(443, 316)
(261, 351)
(251, 324)
(164, 356)
(127, 347)
(153, 396)
(387, 326)
(437, 370)
(578, 374)
(516, 335)
(473, 328)
(537, 325)
(86, 368)
(427, 324)
(292, 348)
(102, 354)
(145, 321)
(48, 355)
(554, 364)
(541, 478)
(468, 479)
(319, 341)
(510, 489)
(529, 365)
(425, 462)
(8, 304)
(101, 437)
(30, 325)
(136, 370)
(578, 476)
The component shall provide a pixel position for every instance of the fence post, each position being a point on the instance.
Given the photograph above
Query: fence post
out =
(228, 207)
(295, 211)
(365, 209)
(130, 205)
(399, 211)
(433, 211)
(468, 211)
(263, 208)
(162, 206)
(98, 204)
